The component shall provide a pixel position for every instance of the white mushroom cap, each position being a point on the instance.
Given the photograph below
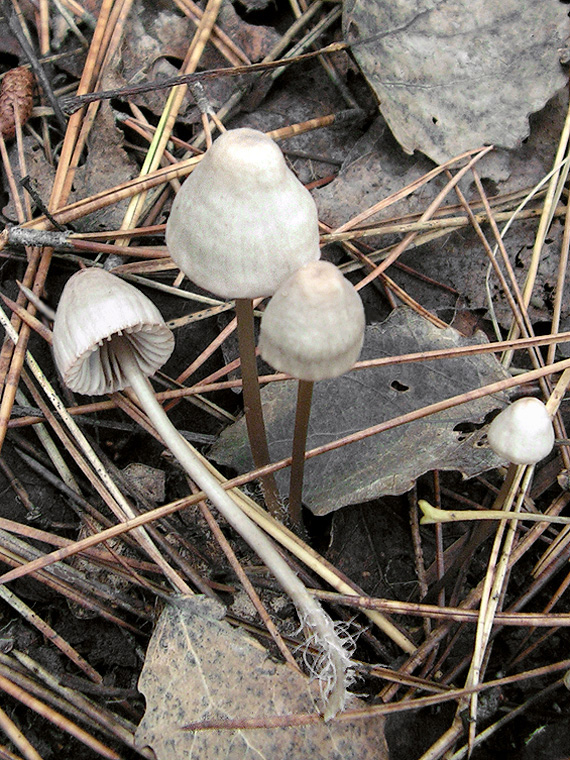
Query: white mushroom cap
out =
(95, 306)
(522, 433)
(242, 222)
(313, 327)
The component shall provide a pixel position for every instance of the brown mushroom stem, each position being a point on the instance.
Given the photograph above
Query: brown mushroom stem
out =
(252, 402)
(302, 415)
(334, 668)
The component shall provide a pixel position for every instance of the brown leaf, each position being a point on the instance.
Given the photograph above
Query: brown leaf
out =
(107, 165)
(256, 41)
(390, 462)
(199, 668)
(377, 167)
(453, 76)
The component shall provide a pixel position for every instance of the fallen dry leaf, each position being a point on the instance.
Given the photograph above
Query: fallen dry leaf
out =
(390, 462)
(107, 165)
(199, 668)
(450, 76)
(377, 167)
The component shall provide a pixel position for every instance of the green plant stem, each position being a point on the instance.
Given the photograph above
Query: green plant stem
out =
(433, 515)
(252, 402)
(335, 665)
(302, 415)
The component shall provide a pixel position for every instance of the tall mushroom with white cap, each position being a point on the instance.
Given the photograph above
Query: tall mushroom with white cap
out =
(108, 336)
(239, 226)
(313, 329)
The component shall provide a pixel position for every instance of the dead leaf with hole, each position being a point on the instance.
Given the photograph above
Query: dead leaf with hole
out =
(391, 461)
(450, 76)
(199, 669)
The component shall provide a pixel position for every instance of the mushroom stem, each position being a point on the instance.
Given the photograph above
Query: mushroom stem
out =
(334, 660)
(252, 402)
(302, 415)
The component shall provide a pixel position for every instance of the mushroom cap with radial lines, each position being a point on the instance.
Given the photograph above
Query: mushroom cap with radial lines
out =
(95, 306)
(313, 327)
(523, 432)
(242, 222)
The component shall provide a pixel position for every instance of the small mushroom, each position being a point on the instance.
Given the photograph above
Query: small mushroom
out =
(241, 224)
(107, 336)
(312, 328)
(95, 310)
(523, 432)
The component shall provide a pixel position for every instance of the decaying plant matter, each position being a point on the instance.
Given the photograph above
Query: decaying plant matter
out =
(16, 100)
(465, 605)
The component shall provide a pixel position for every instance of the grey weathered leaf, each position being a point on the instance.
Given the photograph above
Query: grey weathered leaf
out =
(454, 75)
(199, 668)
(390, 462)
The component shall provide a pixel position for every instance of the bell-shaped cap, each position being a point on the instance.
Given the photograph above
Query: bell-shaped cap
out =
(313, 327)
(242, 222)
(522, 433)
(95, 306)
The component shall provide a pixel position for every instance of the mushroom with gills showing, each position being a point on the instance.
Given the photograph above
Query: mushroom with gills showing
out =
(313, 329)
(523, 432)
(108, 336)
(239, 226)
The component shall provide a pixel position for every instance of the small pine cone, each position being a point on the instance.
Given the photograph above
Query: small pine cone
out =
(16, 91)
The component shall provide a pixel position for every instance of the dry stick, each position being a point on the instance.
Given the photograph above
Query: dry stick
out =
(556, 597)
(46, 630)
(208, 385)
(243, 479)
(17, 738)
(72, 104)
(563, 537)
(526, 326)
(516, 302)
(106, 720)
(493, 589)
(302, 415)
(428, 213)
(470, 601)
(103, 484)
(104, 53)
(252, 402)
(511, 715)
(301, 719)
(56, 718)
(11, 358)
(227, 47)
(69, 581)
(170, 112)
(73, 211)
(62, 176)
(246, 583)
(554, 190)
(436, 612)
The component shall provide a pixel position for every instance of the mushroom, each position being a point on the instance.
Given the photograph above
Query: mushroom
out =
(239, 226)
(312, 328)
(108, 336)
(523, 432)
